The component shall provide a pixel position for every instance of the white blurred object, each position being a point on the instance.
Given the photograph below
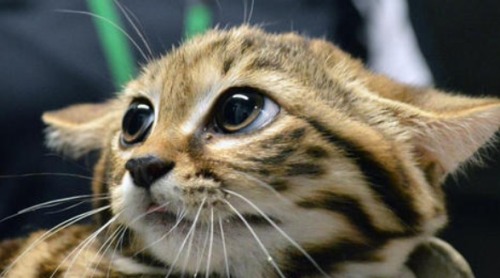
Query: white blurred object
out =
(391, 42)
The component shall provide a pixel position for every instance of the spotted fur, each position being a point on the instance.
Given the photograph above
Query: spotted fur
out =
(350, 169)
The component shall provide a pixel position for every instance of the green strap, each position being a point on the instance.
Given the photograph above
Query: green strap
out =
(198, 19)
(114, 43)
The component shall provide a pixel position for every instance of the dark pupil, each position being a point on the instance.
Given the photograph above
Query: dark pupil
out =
(137, 119)
(238, 108)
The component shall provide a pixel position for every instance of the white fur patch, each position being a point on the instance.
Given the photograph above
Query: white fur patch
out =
(130, 267)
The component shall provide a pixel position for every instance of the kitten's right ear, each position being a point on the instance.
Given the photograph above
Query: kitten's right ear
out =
(79, 129)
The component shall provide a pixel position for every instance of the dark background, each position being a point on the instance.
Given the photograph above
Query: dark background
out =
(50, 59)
(461, 41)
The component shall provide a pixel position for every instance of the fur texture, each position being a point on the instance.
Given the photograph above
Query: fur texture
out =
(343, 182)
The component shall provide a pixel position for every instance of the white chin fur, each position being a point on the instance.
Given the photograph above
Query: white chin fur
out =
(195, 250)
(245, 257)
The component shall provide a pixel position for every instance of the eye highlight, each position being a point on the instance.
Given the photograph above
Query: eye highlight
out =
(243, 109)
(137, 122)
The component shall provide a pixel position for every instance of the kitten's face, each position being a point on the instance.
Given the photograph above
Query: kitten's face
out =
(235, 122)
(263, 155)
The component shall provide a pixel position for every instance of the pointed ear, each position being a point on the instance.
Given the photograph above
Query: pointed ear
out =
(445, 130)
(79, 129)
(447, 138)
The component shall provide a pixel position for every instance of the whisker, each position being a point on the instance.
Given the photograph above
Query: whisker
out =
(118, 245)
(112, 24)
(28, 175)
(76, 205)
(219, 6)
(50, 233)
(106, 245)
(84, 244)
(226, 261)
(245, 11)
(69, 207)
(202, 253)
(185, 239)
(44, 205)
(252, 4)
(283, 233)
(264, 249)
(126, 12)
(188, 253)
(57, 202)
(209, 259)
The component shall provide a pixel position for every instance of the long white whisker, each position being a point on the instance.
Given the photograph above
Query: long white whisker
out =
(209, 259)
(226, 260)
(28, 175)
(126, 12)
(50, 233)
(76, 205)
(245, 12)
(53, 203)
(202, 253)
(264, 249)
(105, 247)
(251, 11)
(283, 233)
(185, 239)
(118, 245)
(112, 24)
(69, 207)
(219, 6)
(83, 245)
(188, 252)
(44, 205)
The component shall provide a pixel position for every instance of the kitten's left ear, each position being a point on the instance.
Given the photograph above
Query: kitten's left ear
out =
(446, 130)
(79, 129)
(447, 139)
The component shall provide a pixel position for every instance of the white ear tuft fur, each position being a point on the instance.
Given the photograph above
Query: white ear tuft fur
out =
(454, 139)
(79, 129)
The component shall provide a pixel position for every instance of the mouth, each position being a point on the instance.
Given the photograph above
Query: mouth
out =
(167, 217)
(156, 208)
(162, 214)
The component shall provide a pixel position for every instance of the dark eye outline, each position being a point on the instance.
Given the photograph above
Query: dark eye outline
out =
(267, 110)
(126, 139)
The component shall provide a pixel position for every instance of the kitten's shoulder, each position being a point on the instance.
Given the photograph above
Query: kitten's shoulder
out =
(43, 253)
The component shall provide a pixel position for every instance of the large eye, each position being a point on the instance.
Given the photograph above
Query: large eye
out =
(137, 122)
(243, 110)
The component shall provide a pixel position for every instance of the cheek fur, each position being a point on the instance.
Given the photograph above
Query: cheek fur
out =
(129, 202)
(278, 155)
(120, 194)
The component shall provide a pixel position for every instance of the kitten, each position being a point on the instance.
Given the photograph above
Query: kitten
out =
(247, 154)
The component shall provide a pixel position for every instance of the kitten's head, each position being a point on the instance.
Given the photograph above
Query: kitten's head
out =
(259, 154)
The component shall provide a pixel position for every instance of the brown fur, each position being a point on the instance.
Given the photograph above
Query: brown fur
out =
(364, 152)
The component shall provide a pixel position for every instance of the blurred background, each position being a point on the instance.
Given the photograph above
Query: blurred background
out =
(52, 56)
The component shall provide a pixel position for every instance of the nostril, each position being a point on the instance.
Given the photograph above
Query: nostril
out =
(146, 170)
(131, 164)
